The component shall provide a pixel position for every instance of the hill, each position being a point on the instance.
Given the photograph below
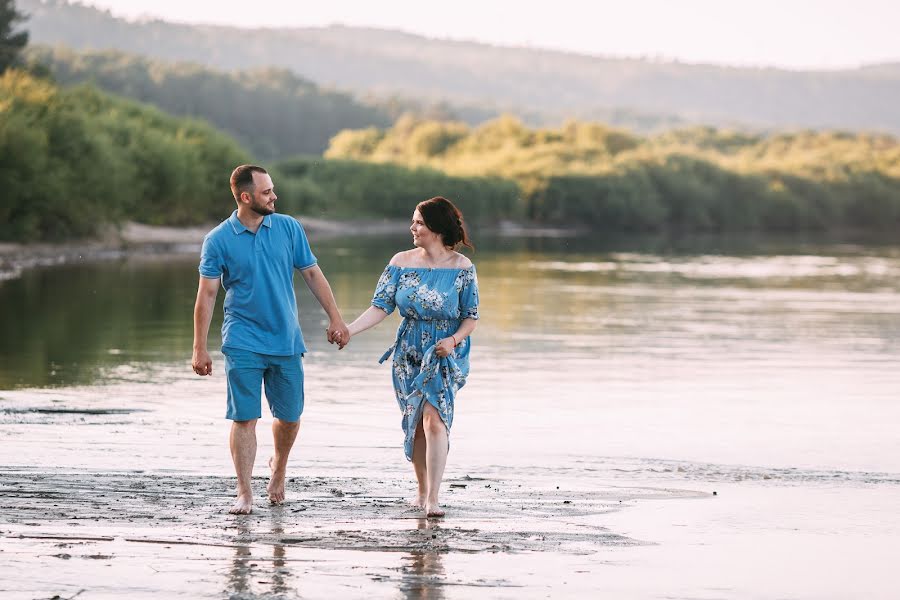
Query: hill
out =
(524, 79)
(272, 112)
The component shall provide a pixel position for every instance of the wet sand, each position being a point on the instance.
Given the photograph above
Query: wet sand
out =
(525, 520)
(76, 528)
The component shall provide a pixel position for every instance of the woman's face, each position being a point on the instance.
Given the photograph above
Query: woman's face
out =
(422, 236)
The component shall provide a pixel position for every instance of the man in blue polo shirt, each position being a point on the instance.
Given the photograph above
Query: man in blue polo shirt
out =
(253, 254)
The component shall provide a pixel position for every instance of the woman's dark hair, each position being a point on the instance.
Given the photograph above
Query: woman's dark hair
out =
(441, 216)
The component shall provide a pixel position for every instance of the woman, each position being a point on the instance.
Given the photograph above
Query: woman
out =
(436, 291)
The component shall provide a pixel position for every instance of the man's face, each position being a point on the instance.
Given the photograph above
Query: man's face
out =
(262, 199)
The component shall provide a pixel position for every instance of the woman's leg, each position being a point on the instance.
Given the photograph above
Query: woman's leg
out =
(418, 460)
(435, 457)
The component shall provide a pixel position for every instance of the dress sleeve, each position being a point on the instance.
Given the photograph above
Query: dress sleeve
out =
(386, 290)
(468, 294)
(211, 263)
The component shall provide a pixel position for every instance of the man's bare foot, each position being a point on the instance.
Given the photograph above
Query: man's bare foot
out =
(276, 484)
(433, 510)
(243, 505)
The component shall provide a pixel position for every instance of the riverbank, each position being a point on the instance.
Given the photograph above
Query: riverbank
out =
(137, 239)
(112, 534)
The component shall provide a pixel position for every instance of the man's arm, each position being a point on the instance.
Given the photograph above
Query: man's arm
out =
(201, 362)
(318, 285)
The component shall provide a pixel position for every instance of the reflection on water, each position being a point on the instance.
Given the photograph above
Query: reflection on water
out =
(240, 573)
(64, 325)
(260, 567)
(422, 573)
(265, 574)
(422, 576)
(727, 352)
(78, 324)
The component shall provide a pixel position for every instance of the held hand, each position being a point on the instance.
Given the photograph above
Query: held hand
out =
(201, 362)
(337, 333)
(444, 347)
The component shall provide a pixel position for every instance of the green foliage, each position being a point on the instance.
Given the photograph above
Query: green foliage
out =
(11, 40)
(350, 189)
(73, 161)
(271, 112)
(697, 179)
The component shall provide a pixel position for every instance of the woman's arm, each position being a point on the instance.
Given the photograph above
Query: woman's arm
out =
(370, 318)
(445, 346)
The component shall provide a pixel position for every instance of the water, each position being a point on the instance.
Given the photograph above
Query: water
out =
(760, 368)
(783, 358)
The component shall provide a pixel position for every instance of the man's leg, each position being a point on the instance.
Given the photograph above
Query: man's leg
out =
(243, 453)
(284, 390)
(244, 373)
(435, 457)
(284, 433)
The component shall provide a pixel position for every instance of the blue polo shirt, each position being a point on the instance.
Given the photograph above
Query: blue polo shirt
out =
(257, 272)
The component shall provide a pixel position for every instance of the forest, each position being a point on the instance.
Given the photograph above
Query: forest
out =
(75, 160)
(693, 179)
(89, 140)
(271, 112)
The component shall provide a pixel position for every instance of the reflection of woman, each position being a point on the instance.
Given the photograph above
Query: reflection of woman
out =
(436, 291)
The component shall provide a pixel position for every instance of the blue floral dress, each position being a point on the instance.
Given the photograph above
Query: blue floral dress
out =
(433, 303)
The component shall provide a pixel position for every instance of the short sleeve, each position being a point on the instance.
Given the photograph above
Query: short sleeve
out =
(468, 293)
(211, 262)
(386, 290)
(303, 256)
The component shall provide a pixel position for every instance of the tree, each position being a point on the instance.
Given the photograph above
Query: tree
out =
(11, 41)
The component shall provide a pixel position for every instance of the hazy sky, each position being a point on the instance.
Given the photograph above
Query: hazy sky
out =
(786, 33)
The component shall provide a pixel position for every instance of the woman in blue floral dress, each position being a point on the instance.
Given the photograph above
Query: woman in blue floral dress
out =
(435, 290)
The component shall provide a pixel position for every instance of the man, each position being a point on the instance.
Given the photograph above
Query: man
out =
(254, 253)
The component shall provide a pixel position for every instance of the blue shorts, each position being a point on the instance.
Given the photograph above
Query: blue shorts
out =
(246, 372)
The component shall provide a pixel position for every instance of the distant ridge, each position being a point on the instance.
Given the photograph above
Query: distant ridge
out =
(556, 83)
(271, 112)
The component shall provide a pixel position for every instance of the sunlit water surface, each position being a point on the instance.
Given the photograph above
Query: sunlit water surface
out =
(697, 366)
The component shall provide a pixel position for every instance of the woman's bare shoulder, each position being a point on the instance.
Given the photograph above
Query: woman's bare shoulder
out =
(463, 261)
(402, 259)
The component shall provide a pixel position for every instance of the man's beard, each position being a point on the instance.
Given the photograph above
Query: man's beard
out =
(262, 209)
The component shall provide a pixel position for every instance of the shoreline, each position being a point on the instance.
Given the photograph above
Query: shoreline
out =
(98, 531)
(136, 238)
(111, 533)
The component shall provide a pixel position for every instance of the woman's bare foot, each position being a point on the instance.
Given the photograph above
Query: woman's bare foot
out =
(418, 501)
(433, 510)
(276, 484)
(243, 505)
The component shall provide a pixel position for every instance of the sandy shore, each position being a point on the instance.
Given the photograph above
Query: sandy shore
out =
(138, 239)
(109, 534)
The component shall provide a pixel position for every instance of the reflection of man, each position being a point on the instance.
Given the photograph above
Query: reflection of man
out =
(254, 253)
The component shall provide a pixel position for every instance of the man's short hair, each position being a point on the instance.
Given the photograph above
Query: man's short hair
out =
(242, 179)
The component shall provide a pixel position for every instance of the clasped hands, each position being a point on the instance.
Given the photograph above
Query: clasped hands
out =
(338, 333)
